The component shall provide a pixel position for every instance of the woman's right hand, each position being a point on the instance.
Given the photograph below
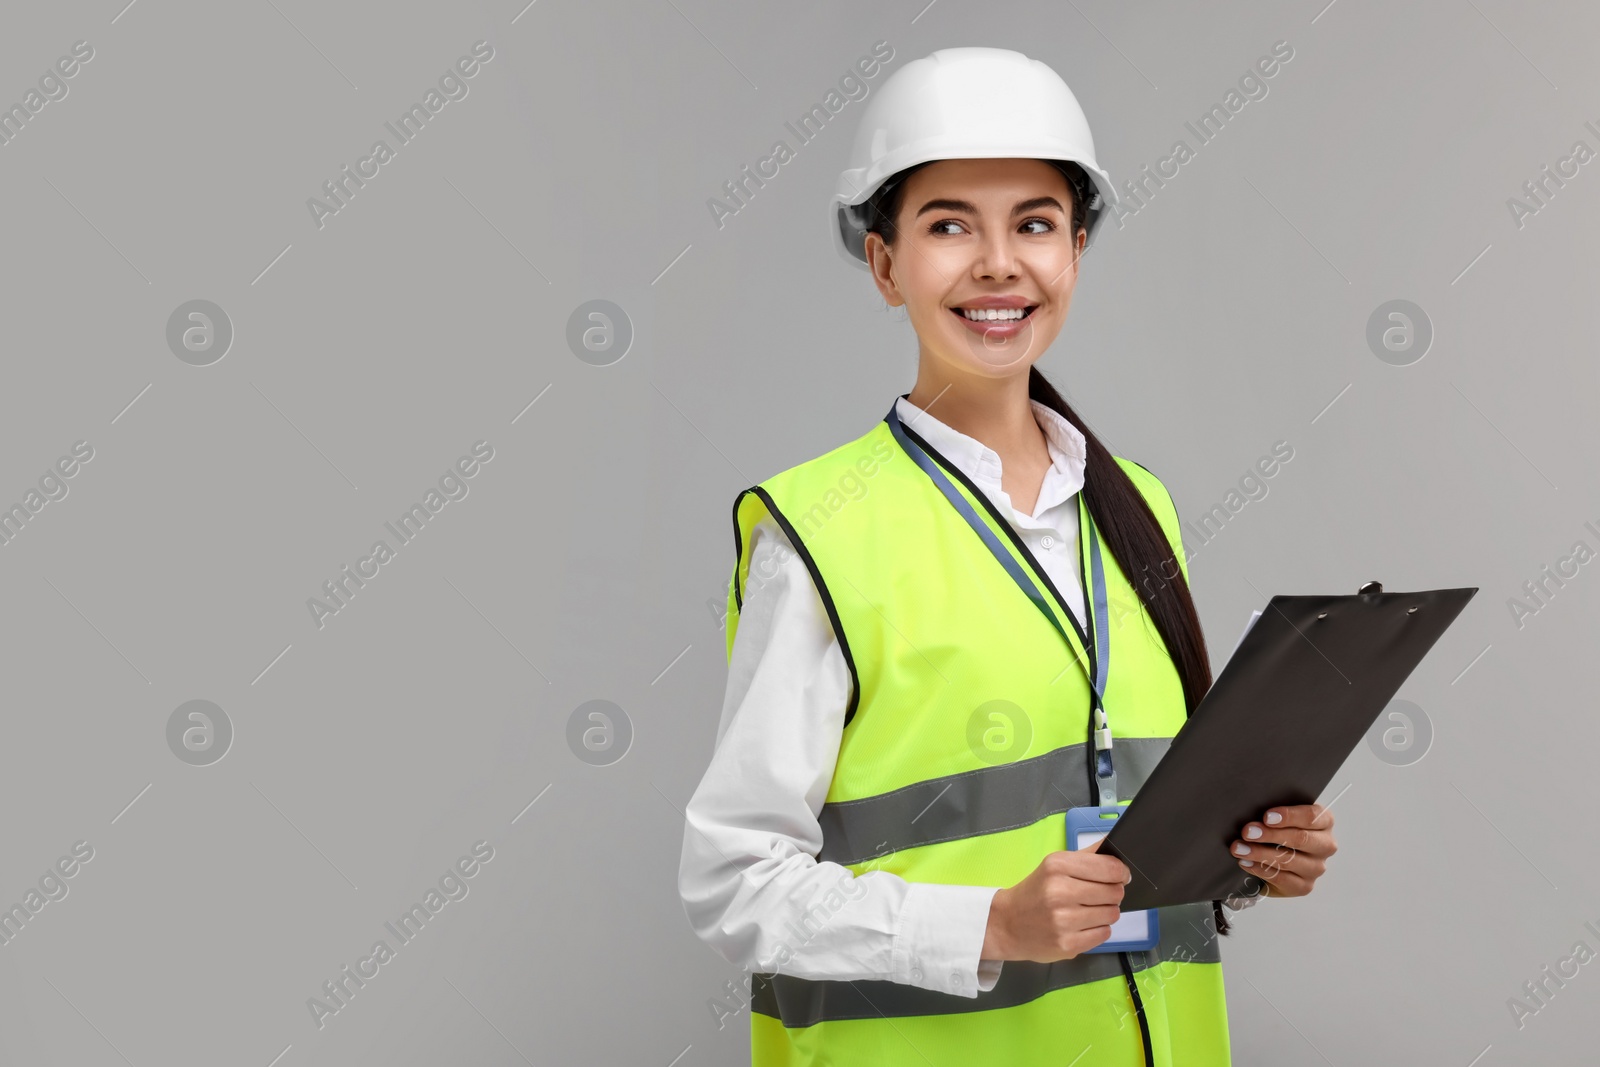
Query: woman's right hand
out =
(1066, 906)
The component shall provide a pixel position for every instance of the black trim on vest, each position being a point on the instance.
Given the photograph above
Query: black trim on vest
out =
(738, 550)
(816, 578)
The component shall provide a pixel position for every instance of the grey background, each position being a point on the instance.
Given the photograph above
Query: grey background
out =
(588, 556)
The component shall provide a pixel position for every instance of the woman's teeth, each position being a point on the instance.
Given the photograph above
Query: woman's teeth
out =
(992, 314)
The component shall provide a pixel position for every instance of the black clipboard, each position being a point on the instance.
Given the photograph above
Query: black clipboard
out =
(1299, 693)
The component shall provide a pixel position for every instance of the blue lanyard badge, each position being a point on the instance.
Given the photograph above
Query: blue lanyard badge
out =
(1100, 654)
(1134, 931)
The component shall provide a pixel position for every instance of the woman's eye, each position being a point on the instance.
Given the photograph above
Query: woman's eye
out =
(1045, 224)
(938, 227)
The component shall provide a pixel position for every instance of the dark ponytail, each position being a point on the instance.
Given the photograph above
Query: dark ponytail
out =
(1135, 539)
(1132, 533)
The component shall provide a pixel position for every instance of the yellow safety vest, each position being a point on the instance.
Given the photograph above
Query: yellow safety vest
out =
(964, 744)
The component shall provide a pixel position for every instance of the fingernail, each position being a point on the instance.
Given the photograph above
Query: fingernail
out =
(1252, 832)
(1246, 863)
(1241, 850)
(1274, 818)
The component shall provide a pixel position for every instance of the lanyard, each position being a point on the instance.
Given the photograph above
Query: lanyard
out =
(1100, 656)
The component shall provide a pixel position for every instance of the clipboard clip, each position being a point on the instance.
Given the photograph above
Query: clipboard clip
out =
(1375, 588)
(1367, 589)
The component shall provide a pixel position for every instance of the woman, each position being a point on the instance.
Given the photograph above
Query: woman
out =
(911, 709)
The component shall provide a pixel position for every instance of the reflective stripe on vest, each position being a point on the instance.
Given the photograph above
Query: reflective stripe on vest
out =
(976, 802)
(1188, 935)
(963, 745)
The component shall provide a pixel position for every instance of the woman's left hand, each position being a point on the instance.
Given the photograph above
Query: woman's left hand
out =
(1289, 855)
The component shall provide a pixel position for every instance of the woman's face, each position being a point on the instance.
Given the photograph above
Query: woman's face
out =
(984, 261)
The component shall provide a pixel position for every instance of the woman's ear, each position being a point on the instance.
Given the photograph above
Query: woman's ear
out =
(881, 263)
(1078, 244)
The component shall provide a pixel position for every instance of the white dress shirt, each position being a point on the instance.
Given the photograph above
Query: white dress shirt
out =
(749, 874)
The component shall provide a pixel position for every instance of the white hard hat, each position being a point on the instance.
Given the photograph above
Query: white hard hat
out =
(963, 103)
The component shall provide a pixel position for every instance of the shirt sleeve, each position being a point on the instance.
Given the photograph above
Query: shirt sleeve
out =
(749, 878)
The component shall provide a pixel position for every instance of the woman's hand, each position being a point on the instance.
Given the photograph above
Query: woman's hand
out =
(1289, 854)
(1066, 906)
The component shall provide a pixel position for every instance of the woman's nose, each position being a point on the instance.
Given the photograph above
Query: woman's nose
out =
(997, 259)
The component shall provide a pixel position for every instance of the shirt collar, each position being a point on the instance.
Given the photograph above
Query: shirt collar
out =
(982, 464)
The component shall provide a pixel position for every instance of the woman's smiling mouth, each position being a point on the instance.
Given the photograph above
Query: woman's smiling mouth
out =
(992, 322)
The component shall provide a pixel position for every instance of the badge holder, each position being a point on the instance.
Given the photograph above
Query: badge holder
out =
(1134, 931)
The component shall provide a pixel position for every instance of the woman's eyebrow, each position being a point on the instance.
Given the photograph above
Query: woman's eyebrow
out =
(1038, 202)
(967, 206)
(948, 205)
